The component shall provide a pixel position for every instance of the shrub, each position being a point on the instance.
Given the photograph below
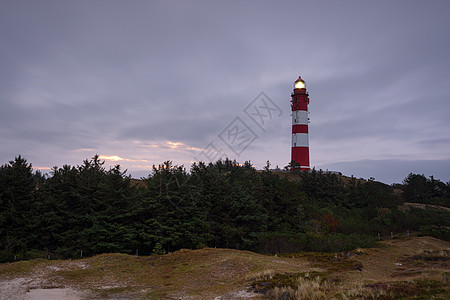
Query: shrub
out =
(442, 233)
(272, 243)
(158, 250)
(337, 242)
(275, 242)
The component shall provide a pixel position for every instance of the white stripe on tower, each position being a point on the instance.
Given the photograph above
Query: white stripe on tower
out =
(300, 140)
(300, 117)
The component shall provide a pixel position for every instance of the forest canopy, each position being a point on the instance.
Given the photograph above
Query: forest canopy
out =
(90, 209)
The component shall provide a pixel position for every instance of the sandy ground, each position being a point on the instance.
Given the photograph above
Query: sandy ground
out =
(28, 289)
(37, 286)
(52, 294)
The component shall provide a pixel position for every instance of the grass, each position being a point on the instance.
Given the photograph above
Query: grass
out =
(432, 256)
(415, 289)
(20, 268)
(333, 262)
(208, 273)
(289, 283)
(305, 287)
(196, 272)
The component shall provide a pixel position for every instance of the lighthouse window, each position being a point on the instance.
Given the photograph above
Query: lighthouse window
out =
(295, 144)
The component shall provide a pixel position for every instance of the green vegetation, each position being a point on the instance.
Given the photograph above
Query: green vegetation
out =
(415, 289)
(418, 188)
(88, 209)
(268, 282)
(305, 285)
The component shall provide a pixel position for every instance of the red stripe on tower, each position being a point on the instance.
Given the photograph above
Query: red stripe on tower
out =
(300, 121)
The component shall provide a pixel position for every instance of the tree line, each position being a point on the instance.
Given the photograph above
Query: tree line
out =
(94, 209)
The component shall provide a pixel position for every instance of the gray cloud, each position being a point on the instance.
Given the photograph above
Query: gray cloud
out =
(108, 76)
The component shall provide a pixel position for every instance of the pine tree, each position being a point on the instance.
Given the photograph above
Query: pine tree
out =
(18, 212)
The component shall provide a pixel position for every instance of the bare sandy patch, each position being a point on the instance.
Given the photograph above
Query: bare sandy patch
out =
(53, 294)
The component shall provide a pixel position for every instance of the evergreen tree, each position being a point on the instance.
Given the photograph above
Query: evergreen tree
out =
(18, 213)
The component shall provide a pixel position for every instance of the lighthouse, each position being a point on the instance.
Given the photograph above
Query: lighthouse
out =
(300, 120)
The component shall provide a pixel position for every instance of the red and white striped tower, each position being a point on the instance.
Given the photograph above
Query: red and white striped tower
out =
(300, 120)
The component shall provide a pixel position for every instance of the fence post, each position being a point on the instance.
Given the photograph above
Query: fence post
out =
(407, 232)
(392, 235)
(81, 254)
(379, 237)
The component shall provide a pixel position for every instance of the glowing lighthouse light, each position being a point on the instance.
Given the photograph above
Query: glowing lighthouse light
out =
(300, 121)
(299, 84)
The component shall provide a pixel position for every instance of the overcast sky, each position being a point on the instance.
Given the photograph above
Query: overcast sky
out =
(142, 82)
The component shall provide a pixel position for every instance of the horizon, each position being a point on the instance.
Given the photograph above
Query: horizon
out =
(146, 173)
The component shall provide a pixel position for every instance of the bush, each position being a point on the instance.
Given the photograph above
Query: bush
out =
(158, 250)
(272, 243)
(276, 242)
(442, 233)
(337, 242)
(33, 254)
